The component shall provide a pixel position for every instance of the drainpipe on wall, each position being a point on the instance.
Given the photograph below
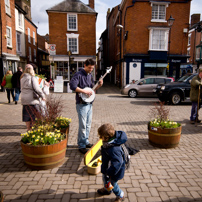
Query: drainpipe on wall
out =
(120, 21)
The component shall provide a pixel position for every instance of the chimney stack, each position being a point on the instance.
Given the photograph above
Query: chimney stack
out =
(195, 18)
(91, 4)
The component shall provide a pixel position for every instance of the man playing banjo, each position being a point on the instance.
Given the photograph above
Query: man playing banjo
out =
(78, 83)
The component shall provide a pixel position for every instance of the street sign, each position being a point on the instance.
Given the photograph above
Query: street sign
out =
(52, 49)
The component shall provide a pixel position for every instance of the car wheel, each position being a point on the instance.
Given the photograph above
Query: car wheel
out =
(175, 98)
(132, 93)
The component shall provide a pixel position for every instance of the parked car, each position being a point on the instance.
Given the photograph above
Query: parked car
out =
(145, 86)
(177, 91)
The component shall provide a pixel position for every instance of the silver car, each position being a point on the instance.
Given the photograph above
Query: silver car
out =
(144, 86)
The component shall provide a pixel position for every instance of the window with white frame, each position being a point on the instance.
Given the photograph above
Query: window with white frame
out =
(72, 22)
(159, 11)
(9, 36)
(30, 54)
(18, 41)
(8, 9)
(19, 19)
(34, 38)
(73, 43)
(189, 39)
(28, 34)
(159, 39)
(34, 55)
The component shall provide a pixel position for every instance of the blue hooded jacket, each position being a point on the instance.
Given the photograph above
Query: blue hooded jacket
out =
(113, 163)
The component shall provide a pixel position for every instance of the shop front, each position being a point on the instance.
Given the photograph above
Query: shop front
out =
(10, 62)
(140, 66)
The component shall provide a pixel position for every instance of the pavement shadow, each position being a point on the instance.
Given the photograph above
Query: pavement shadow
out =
(9, 134)
(12, 127)
(185, 199)
(11, 158)
(49, 195)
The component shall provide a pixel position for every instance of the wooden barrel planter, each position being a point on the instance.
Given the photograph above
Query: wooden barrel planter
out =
(44, 157)
(1, 197)
(164, 138)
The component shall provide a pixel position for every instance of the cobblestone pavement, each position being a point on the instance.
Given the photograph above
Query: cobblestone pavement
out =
(168, 175)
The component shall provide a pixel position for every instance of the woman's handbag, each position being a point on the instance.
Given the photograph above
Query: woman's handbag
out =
(3, 82)
(35, 94)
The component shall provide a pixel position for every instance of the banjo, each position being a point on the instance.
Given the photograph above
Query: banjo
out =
(87, 98)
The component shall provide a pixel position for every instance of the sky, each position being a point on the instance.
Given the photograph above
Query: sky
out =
(40, 17)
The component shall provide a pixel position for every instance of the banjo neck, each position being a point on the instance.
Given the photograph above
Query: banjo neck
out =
(101, 78)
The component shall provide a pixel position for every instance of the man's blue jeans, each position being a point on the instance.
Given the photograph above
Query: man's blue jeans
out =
(17, 94)
(116, 190)
(85, 117)
(194, 111)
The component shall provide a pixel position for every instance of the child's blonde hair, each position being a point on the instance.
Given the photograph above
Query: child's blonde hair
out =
(106, 132)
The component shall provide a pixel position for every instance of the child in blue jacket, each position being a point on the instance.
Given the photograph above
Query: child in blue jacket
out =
(113, 164)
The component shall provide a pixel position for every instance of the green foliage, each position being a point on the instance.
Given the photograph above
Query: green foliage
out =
(161, 117)
(164, 123)
(42, 136)
(62, 122)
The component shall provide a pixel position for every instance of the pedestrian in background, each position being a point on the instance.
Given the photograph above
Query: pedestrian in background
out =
(16, 83)
(29, 85)
(80, 80)
(194, 93)
(9, 86)
(113, 163)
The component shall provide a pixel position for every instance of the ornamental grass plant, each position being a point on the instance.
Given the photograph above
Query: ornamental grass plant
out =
(48, 123)
(160, 117)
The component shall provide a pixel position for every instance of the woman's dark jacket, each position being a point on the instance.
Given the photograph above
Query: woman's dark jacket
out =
(113, 163)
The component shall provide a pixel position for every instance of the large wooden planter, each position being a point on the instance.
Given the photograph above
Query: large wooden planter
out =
(164, 138)
(44, 157)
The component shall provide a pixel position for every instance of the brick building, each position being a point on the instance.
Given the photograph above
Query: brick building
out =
(31, 43)
(72, 27)
(142, 42)
(8, 56)
(18, 36)
(194, 48)
(43, 62)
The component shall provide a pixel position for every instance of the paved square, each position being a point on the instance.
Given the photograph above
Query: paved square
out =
(155, 175)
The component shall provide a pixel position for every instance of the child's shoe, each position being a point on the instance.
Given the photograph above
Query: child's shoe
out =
(103, 191)
(119, 199)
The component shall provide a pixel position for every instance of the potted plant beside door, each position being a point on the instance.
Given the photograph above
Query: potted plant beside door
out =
(163, 132)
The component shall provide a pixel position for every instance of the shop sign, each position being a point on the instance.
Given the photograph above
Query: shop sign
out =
(176, 61)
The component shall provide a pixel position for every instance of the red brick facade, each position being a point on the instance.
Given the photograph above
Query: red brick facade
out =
(136, 19)
(61, 34)
(31, 44)
(86, 31)
(8, 21)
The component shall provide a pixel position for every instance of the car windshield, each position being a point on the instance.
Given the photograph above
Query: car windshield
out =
(184, 78)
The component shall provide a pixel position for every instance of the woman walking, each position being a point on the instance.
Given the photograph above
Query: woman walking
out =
(8, 86)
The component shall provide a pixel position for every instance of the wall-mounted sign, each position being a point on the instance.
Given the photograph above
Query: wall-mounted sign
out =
(52, 49)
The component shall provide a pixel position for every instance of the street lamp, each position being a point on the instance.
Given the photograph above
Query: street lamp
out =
(170, 24)
(69, 53)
